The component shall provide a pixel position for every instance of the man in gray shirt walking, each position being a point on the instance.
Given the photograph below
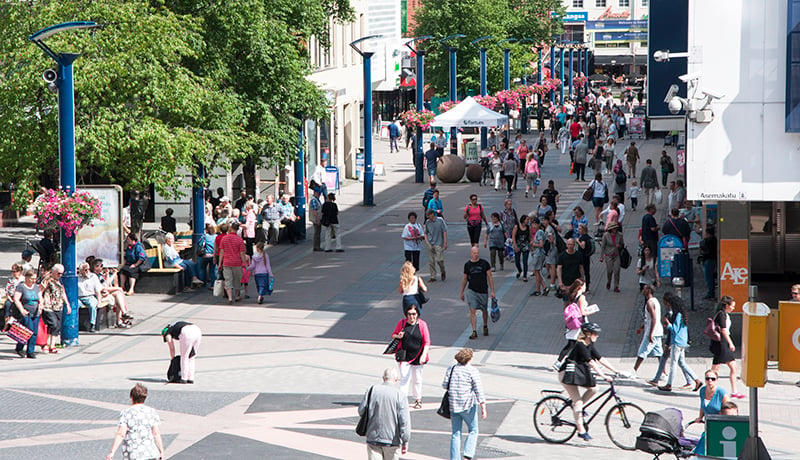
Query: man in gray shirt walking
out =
(436, 242)
(389, 425)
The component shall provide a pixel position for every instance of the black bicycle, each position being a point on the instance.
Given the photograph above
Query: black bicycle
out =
(554, 420)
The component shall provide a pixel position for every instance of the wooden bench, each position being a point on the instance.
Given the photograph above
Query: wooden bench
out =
(105, 317)
(152, 281)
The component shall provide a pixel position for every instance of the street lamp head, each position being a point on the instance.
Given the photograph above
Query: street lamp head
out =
(444, 40)
(39, 37)
(509, 40)
(354, 43)
(480, 39)
(414, 41)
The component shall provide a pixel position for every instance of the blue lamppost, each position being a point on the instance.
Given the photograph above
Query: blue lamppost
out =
(453, 84)
(586, 71)
(580, 70)
(300, 183)
(523, 116)
(571, 57)
(552, 70)
(368, 172)
(506, 61)
(540, 70)
(561, 75)
(482, 50)
(419, 173)
(64, 83)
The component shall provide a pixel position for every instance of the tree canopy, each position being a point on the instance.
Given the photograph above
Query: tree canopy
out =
(165, 85)
(520, 19)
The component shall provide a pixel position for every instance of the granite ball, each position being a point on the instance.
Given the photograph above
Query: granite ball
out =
(450, 169)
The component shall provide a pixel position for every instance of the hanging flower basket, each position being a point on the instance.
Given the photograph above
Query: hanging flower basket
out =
(580, 81)
(419, 118)
(447, 105)
(490, 102)
(71, 213)
(552, 83)
(510, 98)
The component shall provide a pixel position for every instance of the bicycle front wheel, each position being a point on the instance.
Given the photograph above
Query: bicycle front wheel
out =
(549, 419)
(622, 424)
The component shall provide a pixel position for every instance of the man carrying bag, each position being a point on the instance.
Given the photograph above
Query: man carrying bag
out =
(388, 423)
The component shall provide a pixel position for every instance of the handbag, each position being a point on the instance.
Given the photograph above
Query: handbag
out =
(444, 406)
(18, 332)
(624, 257)
(392, 347)
(562, 358)
(145, 265)
(421, 297)
(578, 374)
(361, 427)
(587, 194)
(271, 285)
(712, 330)
(219, 288)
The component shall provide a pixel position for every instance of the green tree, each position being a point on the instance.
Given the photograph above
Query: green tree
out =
(475, 18)
(141, 116)
(257, 50)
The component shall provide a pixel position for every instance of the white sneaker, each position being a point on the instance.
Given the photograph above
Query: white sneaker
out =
(628, 374)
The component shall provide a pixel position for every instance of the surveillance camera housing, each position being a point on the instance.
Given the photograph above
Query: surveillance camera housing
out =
(675, 105)
(690, 77)
(713, 94)
(672, 92)
(50, 76)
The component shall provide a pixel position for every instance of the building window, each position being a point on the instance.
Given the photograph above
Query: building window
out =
(600, 3)
(645, 2)
(793, 68)
(577, 3)
(624, 3)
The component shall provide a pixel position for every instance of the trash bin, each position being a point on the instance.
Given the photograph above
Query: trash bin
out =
(789, 337)
(754, 344)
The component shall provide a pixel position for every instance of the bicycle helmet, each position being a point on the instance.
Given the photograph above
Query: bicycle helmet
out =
(591, 327)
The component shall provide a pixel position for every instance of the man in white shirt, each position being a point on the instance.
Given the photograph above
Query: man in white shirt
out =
(318, 176)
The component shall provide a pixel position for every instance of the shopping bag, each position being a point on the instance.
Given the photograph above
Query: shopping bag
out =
(18, 332)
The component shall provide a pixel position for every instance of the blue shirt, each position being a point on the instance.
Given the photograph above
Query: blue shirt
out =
(436, 205)
(134, 253)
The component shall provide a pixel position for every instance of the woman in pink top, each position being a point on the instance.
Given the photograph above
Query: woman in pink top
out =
(474, 216)
(412, 352)
(532, 174)
(249, 227)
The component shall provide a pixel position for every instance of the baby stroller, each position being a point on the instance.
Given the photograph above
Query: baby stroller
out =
(662, 433)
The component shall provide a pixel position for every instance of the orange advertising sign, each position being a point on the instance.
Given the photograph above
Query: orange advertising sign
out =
(734, 270)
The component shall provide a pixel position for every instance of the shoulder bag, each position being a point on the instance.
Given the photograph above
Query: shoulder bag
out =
(444, 406)
(421, 297)
(361, 428)
(392, 347)
(588, 193)
(624, 257)
(712, 330)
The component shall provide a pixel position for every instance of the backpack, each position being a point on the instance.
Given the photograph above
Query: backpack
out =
(561, 245)
(670, 165)
(427, 197)
(621, 177)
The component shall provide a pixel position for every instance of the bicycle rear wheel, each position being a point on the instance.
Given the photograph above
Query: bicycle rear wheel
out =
(622, 424)
(548, 419)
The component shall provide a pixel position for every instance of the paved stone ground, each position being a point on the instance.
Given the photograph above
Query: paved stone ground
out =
(281, 380)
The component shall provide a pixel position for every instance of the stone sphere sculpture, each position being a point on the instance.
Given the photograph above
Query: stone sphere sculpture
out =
(450, 169)
(474, 173)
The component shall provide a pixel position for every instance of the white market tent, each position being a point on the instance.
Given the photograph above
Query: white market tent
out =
(469, 113)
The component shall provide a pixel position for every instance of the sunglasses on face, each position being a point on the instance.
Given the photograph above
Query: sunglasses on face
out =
(711, 379)
(411, 314)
